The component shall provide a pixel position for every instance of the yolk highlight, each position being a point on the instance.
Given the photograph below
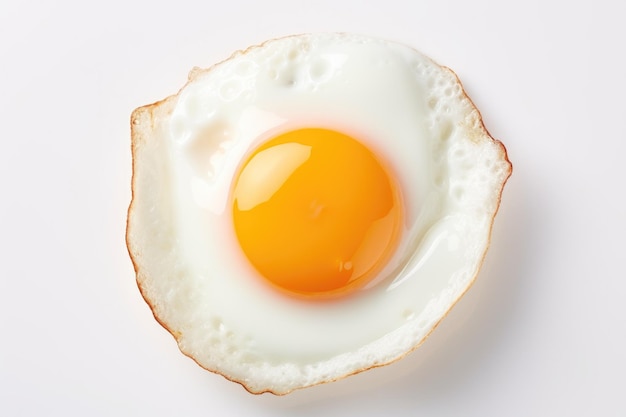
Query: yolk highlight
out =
(315, 212)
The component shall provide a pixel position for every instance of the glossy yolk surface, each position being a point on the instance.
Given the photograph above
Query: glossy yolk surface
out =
(315, 212)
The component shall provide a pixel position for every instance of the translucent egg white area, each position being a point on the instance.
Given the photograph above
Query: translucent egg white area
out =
(411, 112)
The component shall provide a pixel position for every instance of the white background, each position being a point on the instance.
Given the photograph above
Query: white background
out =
(542, 332)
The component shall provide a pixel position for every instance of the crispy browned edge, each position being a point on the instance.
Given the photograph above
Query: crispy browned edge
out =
(176, 335)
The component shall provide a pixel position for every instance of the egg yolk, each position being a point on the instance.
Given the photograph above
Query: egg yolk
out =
(315, 212)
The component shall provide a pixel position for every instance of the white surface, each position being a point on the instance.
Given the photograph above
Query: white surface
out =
(542, 332)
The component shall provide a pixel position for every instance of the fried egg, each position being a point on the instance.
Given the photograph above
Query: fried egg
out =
(310, 208)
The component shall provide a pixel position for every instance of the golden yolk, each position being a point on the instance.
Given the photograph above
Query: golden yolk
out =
(315, 212)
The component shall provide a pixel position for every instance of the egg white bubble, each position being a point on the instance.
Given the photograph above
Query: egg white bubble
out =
(412, 113)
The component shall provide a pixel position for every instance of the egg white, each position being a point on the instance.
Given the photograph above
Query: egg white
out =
(411, 112)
